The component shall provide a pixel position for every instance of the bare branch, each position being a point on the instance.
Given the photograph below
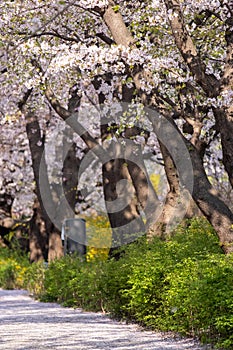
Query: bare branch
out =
(25, 98)
(105, 38)
(53, 34)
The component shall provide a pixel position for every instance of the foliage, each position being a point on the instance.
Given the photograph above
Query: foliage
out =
(72, 281)
(34, 278)
(67, 46)
(13, 268)
(99, 237)
(184, 284)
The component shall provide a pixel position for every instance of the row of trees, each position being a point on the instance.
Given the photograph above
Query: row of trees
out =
(131, 81)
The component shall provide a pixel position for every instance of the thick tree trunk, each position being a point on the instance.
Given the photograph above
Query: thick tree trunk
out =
(38, 240)
(67, 200)
(209, 202)
(55, 245)
(70, 174)
(38, 245)
(119, 194)
(36, 144)
(160, 227)
(160, 218)
(224, 117)
(224, 122)
(148, 201)
(121, 203)
(206, 198)
(178, 204)
(147, 198)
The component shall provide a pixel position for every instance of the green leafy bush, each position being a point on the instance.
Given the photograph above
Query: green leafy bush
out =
(34, 278)
(13, 267)
(184, 284)
(74, 282)
(58, 277)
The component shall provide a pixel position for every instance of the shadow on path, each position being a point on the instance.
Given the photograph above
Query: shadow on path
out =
(26, 324)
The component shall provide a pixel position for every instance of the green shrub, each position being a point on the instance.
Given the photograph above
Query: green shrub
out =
(34, 278)
(85, 286)
(73, 282)
(13, 267)
(57, 278)
(184, 284)
(114, 280)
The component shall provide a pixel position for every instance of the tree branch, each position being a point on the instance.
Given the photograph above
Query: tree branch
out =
(187, 48)
(25, 98)
(117, 27)
(70, 119)
(53, 34)
(105, 38)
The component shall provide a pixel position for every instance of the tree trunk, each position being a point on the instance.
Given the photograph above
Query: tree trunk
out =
(216, 211)
(206, 198)
(209, 83)
(70, 176)
(119, 194)
(146, 196)
(160, 227)
(224, 122)
(209, 202)
(66, 200)
(38, 239)
(55, 245)
(43, 221)
(224, 116)
(175, 205)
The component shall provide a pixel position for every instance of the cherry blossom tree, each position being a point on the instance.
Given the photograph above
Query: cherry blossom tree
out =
(174, 57)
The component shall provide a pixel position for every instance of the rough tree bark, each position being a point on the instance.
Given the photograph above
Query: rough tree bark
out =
(224, 117)
(121, 200)
(38, 239)
(160, 226)
(38, 236)
(120, 197)
(148, 201)
(67, 201)
(43, 244)
(205, 196)
(52, 248)
(49, 245)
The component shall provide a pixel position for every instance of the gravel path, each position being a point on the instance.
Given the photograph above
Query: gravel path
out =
(28, 324)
